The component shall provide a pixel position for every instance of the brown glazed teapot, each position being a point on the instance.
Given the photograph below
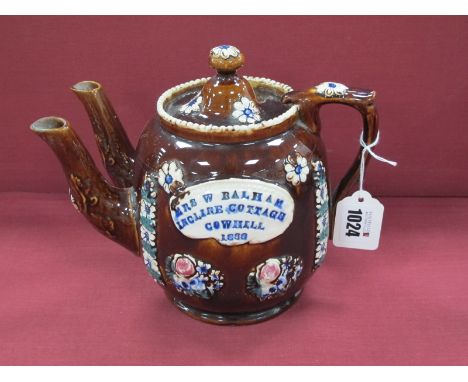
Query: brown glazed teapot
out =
(226, 196)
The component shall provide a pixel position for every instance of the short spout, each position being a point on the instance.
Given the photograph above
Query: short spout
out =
(110, 209)
(117, 152)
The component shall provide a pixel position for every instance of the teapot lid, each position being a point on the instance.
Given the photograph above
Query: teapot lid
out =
(226, 102)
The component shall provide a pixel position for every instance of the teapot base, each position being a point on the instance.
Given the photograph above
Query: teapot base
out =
(235, 318)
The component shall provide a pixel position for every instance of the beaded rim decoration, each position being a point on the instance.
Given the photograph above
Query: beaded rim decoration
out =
(255, 81)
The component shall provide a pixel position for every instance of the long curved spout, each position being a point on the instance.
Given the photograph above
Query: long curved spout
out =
(110, 209)
(117, 152)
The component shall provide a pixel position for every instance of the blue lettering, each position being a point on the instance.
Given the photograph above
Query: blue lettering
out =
(180, 225)
(250, 209)
(208, 198)
(279, 203)
(234, 236)
(192, 212)
(237, 224)
(226, 223)
(257, 196)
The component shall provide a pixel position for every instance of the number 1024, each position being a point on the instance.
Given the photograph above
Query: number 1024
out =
(353, 223)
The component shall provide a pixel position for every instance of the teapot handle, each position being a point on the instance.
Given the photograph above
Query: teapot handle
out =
(360, 99)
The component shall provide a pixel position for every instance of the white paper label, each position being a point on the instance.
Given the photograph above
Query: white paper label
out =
(233, 211)
(358, 221)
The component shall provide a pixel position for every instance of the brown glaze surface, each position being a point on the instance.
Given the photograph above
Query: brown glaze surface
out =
(221, 92)
(107, 208)
(116, 151)
(138, 213)
(261, 159)
(218, 97)
(361, 100)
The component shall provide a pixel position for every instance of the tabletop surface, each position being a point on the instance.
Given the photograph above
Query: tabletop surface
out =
(68, 296)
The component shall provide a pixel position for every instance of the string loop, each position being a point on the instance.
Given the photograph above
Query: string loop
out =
(368, 148)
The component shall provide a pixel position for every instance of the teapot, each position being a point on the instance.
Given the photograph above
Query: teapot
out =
(226, 197)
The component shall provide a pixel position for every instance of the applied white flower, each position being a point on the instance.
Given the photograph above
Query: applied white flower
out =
(193, 105)
(170, 177)
(147, 210)
(150, 262)
(246, 111)
(296, 169)
(331, 89)
(147, 236)
(225, 51)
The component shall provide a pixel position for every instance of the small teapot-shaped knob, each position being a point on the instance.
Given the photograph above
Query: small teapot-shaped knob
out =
(223, 93)
(226, 59)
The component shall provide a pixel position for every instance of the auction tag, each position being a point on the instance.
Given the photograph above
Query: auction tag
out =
(358, 221)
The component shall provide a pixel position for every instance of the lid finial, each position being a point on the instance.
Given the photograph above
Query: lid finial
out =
(226, 58)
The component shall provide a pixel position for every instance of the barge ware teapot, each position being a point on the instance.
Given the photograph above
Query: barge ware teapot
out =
(226, 197)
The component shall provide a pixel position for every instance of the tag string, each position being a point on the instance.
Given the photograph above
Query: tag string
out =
(368, 148)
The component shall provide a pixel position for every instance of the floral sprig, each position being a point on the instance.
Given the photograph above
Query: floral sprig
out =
(193, 277)
(171, 177)
(274, 276)
(246, 111)
(192, 105)
(322, 210)
(296, 169)
(331, 89)
(225, 51)
(148, 227)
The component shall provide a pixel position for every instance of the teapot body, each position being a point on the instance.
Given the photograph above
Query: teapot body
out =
(232, 231)
(226, 197)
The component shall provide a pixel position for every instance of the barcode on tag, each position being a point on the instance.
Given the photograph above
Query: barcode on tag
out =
(358, 221)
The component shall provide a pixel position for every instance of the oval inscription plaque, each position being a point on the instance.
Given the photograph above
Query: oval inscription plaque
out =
(233, 211)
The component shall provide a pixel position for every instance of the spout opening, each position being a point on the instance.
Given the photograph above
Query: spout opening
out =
(86, 86)
(48, 124)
